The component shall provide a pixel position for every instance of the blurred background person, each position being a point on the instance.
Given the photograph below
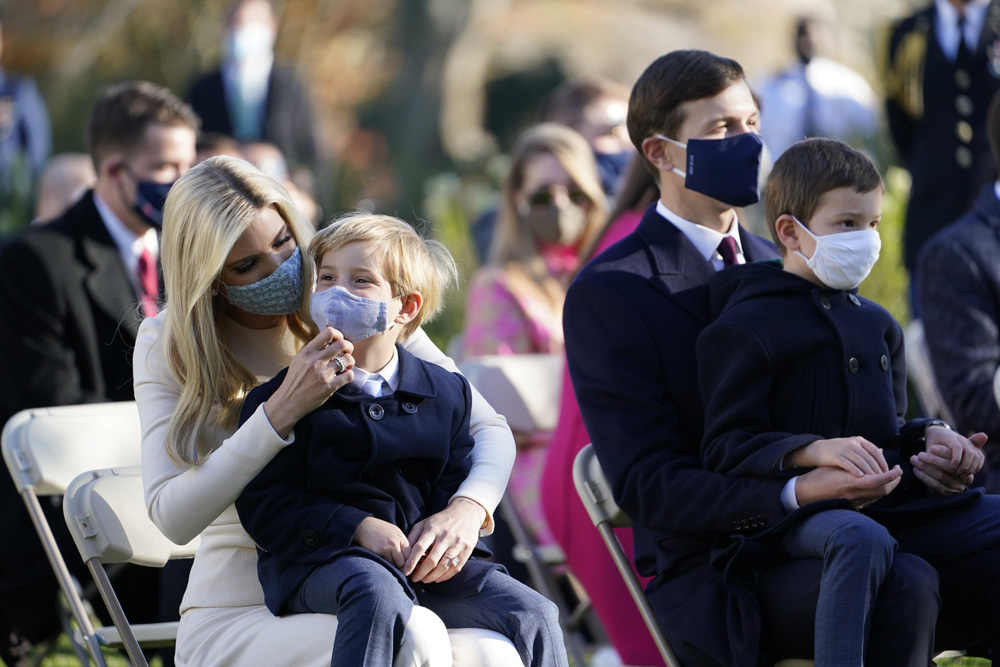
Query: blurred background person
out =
(958, 275)
(596, 108)
(210, 144)
(269, 159)
(940, 69)
(64, 179)
(254, 97)
(816, 96)
(552, 208)
(565, 515)
(25, 143)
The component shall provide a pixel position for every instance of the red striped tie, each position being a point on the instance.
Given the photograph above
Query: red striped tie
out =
(150, 286)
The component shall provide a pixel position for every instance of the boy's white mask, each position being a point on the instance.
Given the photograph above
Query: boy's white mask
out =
(842, 261)
(354, 316)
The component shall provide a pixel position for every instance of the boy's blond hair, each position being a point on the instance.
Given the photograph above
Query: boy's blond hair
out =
(408, 261)
(807, 171)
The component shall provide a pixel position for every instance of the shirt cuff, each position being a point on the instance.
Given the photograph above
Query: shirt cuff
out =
(788, 499)
(291, 434)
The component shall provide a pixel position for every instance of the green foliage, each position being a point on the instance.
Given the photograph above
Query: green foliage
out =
(889, 283)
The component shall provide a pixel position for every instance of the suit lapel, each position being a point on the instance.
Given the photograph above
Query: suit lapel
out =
(107, 281)
(677, 266)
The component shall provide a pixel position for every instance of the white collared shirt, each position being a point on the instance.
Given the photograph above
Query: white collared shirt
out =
(996, 189)
(129, 245)
(946, 27)
(388, 374)
(704, 239)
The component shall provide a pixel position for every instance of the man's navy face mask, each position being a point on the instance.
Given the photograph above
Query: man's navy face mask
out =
(724, 169)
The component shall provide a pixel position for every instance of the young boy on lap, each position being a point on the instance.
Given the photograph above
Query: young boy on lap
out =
(797, 371)
(331, 513)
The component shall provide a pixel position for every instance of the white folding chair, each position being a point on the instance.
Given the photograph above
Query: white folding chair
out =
(107, 518)
(526, 390)
(44, 449)
(595, 494)
(921, 372)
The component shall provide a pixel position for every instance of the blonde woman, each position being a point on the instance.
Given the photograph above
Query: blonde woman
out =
(238, 286)
(553, 209)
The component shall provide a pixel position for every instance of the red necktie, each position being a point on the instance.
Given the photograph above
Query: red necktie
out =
(727, 248)
(149, 286)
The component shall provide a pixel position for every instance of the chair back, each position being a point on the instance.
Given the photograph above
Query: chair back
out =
(45, 448)
(107, 517)
(524, 388)
(921, 372)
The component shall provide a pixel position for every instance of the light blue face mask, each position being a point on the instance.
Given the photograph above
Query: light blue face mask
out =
(354, 316)
(278, 294)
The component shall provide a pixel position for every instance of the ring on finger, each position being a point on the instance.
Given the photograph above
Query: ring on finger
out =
(449, 561)
(339, 364)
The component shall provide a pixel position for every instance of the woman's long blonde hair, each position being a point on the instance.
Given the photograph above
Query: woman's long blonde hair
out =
(206, 212)
(513, 247)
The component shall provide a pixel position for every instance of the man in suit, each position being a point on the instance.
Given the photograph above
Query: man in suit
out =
(251, 97)
(959, 277)
(941, 67)
(72, 294)
(631, 319)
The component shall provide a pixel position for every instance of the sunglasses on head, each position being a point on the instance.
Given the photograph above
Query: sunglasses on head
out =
(545, 196)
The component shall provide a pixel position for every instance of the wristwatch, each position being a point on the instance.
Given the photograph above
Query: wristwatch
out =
(934, 422)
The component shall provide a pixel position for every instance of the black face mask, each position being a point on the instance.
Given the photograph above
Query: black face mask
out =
(149, 200)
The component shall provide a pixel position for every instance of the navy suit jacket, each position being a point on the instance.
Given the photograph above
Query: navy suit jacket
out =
(959, 287)
(631, 320)
(398, 458)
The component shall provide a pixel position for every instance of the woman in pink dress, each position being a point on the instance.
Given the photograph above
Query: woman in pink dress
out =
(565, 515)
(553, 208)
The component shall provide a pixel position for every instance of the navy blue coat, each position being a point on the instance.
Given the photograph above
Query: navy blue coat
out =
(631, 320)
(398, 458)
(800, 363)
(959, 287)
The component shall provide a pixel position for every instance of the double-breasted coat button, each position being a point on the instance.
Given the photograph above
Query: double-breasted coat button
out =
(310, 538)
(825, 301)
(855, 300)
(884, 361)
(375, 411)
(964, 131)
(963, 157)
(409, 408)
(963, 105)
(853, 365)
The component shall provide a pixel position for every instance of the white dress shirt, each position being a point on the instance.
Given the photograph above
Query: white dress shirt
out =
(704, 239)
(129, 245)
(382, 382)
(946, 27)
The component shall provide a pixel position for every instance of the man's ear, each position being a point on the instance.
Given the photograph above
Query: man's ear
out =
(112, 166)
(787, 231)
(411, 304)
(657, 151)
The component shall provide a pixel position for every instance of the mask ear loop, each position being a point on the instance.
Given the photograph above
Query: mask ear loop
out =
(682, 174)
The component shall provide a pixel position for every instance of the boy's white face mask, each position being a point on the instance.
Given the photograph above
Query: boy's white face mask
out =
(842, 261)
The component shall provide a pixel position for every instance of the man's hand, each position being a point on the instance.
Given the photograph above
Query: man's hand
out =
(854, 455)
(831, 483)
(950, 460)
(383, 539)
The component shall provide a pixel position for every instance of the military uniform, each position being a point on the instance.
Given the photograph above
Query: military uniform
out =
(936, 108)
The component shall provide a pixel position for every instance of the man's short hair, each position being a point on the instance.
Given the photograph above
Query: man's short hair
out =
(569, 100)
(807, 171)
(124, 112)
(671, 80)
(993, 128)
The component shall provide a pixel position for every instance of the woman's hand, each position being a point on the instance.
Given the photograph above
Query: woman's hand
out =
(450, 534)
(383, 539)
(312, 377)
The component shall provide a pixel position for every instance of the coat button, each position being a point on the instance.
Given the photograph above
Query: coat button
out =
(375, 411)
(825, 301)
(855, 300)
(853, 365)
(310, 538)
(409, 408)
(884, 361)
(736, 524)
(744, 523)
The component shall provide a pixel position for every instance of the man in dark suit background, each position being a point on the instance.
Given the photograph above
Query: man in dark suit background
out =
(253, 97)
(959, 277)
(631, 319)
(72, 294)
(940, 69)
